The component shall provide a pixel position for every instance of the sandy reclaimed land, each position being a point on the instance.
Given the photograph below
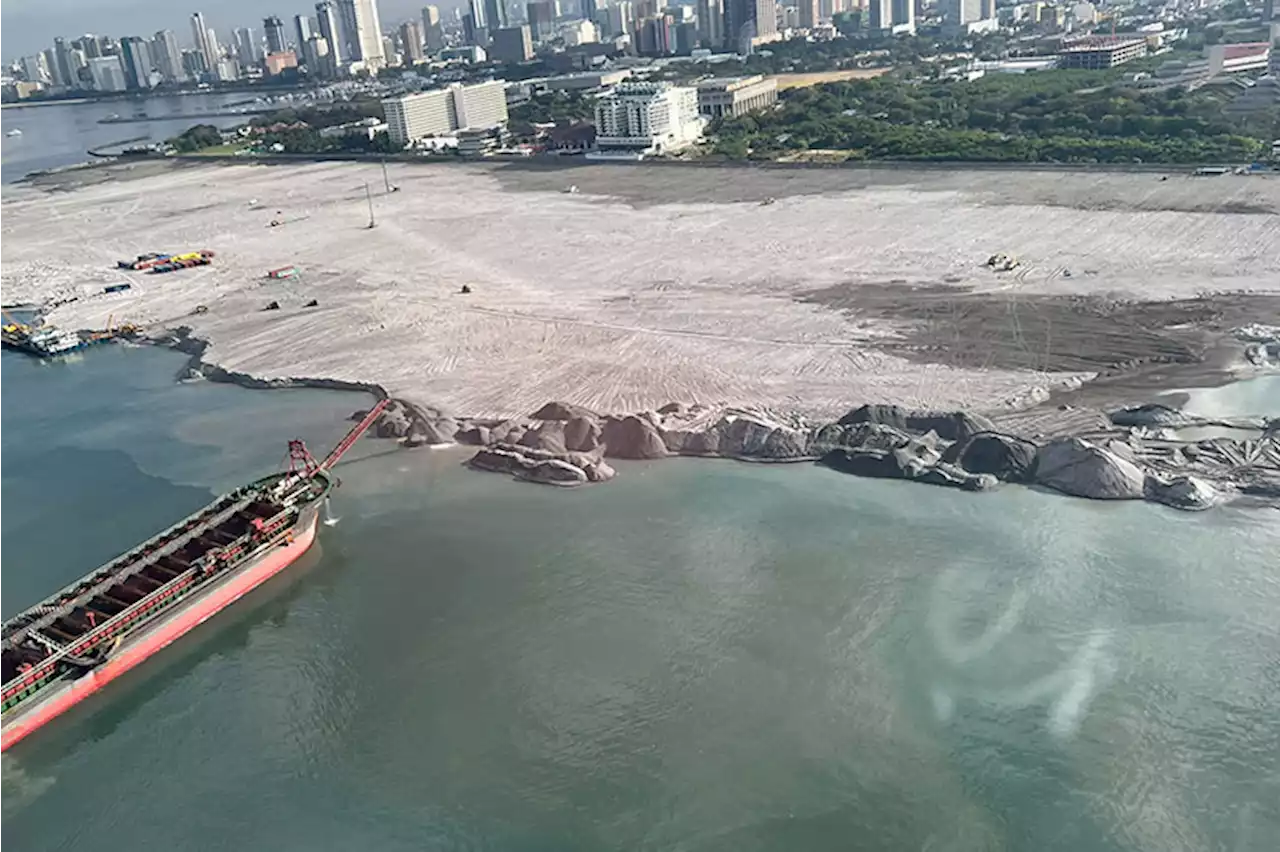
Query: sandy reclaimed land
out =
(652, 284)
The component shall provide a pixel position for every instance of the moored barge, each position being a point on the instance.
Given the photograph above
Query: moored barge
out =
(64, 649)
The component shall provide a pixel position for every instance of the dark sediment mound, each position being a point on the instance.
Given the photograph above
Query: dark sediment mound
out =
(890, 453)
(632, 437)
(1084, 469)
(562, 411)
(582, 434)
(1182, 492)
(548, 436)
(950, 426)
(474, 434)
(1005, 457)
(1151, 415)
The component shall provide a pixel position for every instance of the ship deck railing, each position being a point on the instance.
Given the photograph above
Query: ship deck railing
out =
(162, 544)
(27, 683)
(91, 585)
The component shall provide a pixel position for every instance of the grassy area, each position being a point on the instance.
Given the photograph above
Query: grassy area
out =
(223, 150)
(799, 81)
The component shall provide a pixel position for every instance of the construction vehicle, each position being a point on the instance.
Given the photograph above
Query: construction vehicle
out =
(184, 261)
(143, 261)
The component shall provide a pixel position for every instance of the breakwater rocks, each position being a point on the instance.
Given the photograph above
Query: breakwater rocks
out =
(567, 445)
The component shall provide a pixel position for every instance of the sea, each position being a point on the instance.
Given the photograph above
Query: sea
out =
(699, 655)
(56, 135)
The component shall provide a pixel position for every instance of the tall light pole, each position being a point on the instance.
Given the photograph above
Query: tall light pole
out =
(369, 197)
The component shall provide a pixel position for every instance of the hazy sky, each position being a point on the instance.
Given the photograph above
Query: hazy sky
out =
(27, 26)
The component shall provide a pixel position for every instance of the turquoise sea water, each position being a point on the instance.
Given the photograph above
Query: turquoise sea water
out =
(696, 656)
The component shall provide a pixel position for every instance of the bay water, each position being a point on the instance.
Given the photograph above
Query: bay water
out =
(700, 655)
(55, 135)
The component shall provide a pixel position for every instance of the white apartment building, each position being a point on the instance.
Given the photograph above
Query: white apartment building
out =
(108, 74)
(441, 112)
(644, 118)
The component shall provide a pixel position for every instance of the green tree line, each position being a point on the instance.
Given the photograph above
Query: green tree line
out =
(1064, 116)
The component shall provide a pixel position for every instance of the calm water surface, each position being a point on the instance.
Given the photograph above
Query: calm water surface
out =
(698, 656)
(57, 135)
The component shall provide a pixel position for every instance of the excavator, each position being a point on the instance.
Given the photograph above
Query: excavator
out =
(12, 326)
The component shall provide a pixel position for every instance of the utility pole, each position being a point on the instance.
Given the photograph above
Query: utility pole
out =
(385, 182)
(369, 197)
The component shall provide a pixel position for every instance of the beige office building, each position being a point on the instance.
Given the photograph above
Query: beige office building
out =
(733, 96)
(443, 111)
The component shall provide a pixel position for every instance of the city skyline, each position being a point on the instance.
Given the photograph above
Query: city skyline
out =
(29, 26)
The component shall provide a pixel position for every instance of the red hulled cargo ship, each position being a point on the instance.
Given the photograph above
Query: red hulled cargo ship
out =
(69, 646)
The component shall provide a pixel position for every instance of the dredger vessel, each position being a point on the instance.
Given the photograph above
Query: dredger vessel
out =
(72, 644)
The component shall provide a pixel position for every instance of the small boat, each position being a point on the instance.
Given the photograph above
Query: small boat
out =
(14, 132)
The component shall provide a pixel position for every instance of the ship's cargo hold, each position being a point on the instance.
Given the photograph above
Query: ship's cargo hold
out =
(64, 649)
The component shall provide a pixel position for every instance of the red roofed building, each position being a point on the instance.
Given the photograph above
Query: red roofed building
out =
(1238, 58)
(276, 63)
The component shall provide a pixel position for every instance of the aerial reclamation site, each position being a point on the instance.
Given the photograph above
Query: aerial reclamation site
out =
(1040, 302)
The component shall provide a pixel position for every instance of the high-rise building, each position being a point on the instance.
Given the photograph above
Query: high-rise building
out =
(301, 31)
(495, 15)
(475, 26)
(411, 43)
(745, 21)
(136, 58)
(215, 49)
(34, 69)
(432, 30)
(200, 39)
(107, 74)
(711, 23)
(541, 15)
(362, 32)
(247, 48)
(193, 64)
(167, 56)
(91, 45)
(958, 13)
(273, 28)
(653, 36)
(881, 15)
(622, 18)
(442, 111)
(316, 56)
(66, 75)
(588, 10)
(51, 66)
(809, 14)
(328, 27)
(904, 16)
(512, 44)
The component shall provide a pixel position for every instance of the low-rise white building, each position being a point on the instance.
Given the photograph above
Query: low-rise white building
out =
(443, 111)
(366, 127)
(647, 118)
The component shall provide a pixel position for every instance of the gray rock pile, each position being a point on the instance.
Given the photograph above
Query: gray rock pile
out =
(568, 445)
(1085, 469)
